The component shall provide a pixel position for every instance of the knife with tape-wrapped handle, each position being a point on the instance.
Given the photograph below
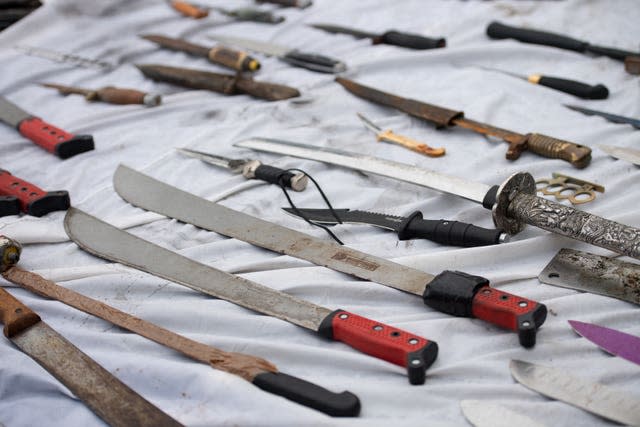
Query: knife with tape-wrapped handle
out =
(28, 198)
(556, 383)
(450, 292)
(391, 37)
(310, 61)
(614, 342)
(53, 139)
(413, 226)
(376, 339)
(252, 169)
(256, 370)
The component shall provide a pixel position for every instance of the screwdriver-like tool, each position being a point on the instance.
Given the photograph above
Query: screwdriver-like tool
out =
(110, 94)
(572, 87)
(411, 144)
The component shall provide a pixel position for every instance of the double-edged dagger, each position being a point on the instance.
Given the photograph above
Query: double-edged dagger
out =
(512, 203)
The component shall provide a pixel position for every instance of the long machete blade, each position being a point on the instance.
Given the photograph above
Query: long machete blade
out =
(450, 292)
(369, 336)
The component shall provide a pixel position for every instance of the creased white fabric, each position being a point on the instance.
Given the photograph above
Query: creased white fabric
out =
(474, 356)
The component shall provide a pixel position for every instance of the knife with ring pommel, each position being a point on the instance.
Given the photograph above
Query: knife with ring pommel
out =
(252, 169)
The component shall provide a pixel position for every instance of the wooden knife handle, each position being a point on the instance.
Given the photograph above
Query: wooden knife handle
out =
(187, 9)
(578, 155)
(233, 59)
(15, 316)
(120, 96)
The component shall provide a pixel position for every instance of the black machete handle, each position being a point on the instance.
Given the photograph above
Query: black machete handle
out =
(452, 233)
(412, 41)
(345, 404)
(496, 30)
(572, 87)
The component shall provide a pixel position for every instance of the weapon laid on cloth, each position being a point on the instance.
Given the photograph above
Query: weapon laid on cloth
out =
(482, 413)
(614, 118)
(189, 9)
(513, 203)
(565, 187)
(610, 340)
(578, 155)
(221, 55)
(413, 226)
(252, 169)
(593, 273)
(596, 398)
(572, 87)
(30, 199)
(55, 140)
(411, 144)
(629, 154)
(496, 30)
(65, 58)
(392, 37)
(310, 61)
(250, 14)
(222, 83)
(257, 371)
(450, 292)
(110, 94)
(289, 3)
(632, 64)
(103, 393)
(368, 336)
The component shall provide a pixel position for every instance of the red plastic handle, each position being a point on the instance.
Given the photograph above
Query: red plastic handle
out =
(509, 311)
(55, 140)
(33, 200)
(382, 341)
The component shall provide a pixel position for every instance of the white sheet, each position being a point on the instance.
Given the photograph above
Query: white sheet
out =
(474, 356)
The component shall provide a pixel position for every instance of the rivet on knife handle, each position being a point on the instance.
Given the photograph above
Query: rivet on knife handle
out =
(15, 316)
(464, 295)
(32, 200)
(382, 341)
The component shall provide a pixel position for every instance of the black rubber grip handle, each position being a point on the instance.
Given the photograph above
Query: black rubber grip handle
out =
(496, 30)
(412, 41)
(345, 404)
(9, 205)
(314, 62)
(572, 87)
(452, 233)
(273, 175)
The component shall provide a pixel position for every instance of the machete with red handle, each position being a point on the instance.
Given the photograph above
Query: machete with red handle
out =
(55, 140)
(17, 195)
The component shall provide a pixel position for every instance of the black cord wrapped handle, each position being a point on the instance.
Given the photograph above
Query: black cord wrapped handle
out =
(453, 233)
(274, 175)
(412, 41)
(345, 404)
(496, 30)
(572, 87)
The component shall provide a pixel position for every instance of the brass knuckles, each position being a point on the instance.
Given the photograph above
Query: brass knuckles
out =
(410, 143)
(564, 187)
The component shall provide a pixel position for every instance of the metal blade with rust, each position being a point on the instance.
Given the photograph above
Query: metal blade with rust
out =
(103, 393)
(578, 155)
(513, 203)
(470, 297)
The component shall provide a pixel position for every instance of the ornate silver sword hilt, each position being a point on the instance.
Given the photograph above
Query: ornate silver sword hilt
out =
(516, 205)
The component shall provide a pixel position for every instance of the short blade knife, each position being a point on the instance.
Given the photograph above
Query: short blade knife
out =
(53, 139)
(252, 169)
(391, 37)
(413, 226)
(618, 343)
(310, 61)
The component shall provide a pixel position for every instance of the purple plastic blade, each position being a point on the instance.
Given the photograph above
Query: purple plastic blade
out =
(615, 342)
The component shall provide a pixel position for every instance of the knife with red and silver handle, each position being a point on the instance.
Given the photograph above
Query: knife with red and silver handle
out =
(55, 140)
(374, 338)
(450, 292)
(18, 195)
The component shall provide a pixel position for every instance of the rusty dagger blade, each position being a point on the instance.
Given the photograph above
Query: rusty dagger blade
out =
(513, 203)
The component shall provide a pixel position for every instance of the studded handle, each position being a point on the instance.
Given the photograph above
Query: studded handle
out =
(55, 140)
(382, 341)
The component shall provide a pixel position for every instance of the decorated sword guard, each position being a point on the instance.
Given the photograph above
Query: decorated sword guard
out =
(565, 187)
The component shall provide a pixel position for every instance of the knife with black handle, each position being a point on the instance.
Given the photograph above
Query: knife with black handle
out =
(17, 195)
(411, 41)
(572, 87)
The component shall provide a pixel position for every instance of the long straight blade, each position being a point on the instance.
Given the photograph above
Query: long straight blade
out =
(623, 153)
(618, 343)
(148, 193)
(254, 45)
(469, 190)
(235, 165)
(106, 241)
(593, 397)
(107, 396)
(10, 113)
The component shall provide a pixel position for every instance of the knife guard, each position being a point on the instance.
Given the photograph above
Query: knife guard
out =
(53, 139)
(382, 341)
(411, 41)
(345, 404)
(547, 146)
(464, 295)
(15, 316)
(32, 200)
